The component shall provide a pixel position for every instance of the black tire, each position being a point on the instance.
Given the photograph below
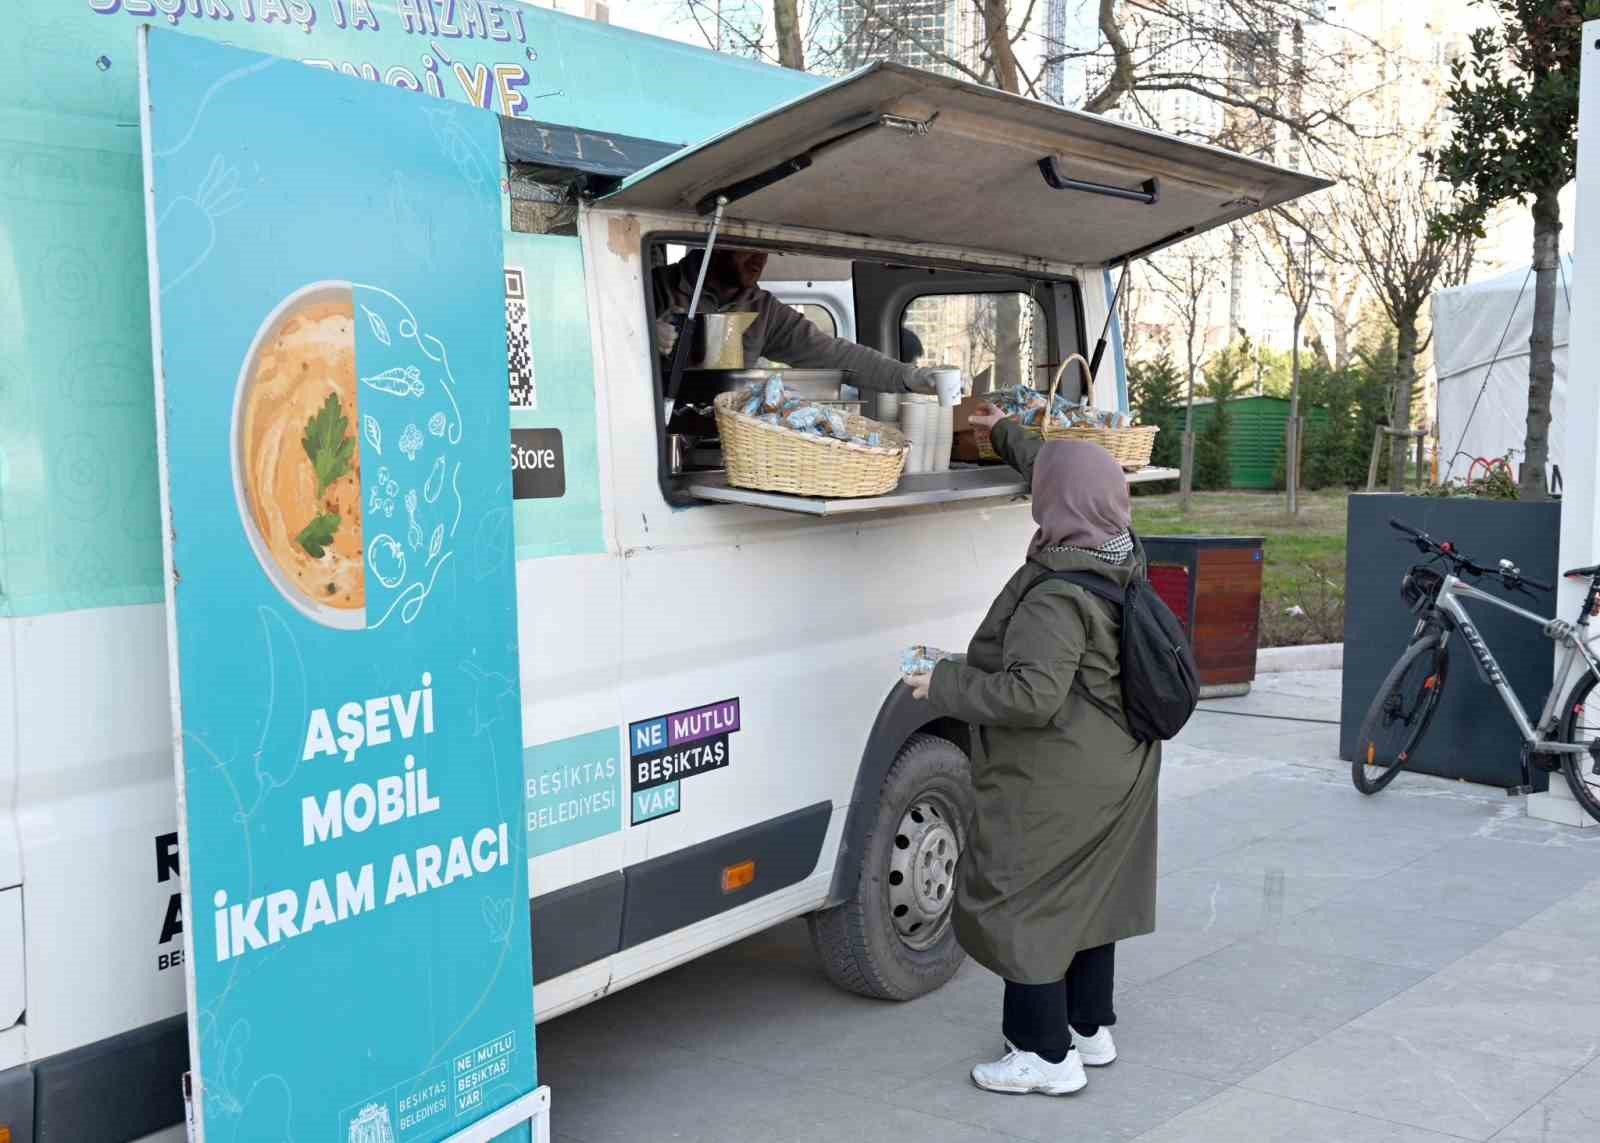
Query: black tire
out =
(1400, 713)
(1574, 727)
(880, 942)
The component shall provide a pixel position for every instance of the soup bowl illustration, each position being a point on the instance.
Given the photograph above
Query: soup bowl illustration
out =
(297, 456)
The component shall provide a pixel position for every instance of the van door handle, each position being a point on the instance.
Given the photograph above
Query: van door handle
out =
(1148, 193)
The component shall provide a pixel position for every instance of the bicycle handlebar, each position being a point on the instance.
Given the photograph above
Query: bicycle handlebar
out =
(1510, 576)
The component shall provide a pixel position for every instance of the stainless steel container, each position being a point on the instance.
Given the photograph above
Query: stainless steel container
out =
(719, 340)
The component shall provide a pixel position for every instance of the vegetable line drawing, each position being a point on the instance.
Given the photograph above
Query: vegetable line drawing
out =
(387, 559)
(411, 441)
(369, 425)
(413, 529)
(455, 486)
(376, 324)
(401, 381)
(410, 581)
(195, 215)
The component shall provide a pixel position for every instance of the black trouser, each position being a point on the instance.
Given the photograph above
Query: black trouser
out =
(1036, 1015)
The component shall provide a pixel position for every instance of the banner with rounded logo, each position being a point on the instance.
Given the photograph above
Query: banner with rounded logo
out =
(327, 287)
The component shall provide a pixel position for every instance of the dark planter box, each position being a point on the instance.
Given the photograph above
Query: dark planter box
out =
(1472, 736)
(1213, 585)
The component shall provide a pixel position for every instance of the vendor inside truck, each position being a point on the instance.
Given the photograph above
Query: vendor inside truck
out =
(779, 333)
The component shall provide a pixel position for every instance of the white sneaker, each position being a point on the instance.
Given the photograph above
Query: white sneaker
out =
(1022, 1072)
(1096, 1051)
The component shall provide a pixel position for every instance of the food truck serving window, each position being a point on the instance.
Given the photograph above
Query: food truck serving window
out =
(996, 327)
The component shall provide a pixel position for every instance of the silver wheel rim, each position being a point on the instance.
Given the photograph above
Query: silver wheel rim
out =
(922, 871)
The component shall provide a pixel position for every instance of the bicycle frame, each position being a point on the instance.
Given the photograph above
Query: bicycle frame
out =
(1573, 638)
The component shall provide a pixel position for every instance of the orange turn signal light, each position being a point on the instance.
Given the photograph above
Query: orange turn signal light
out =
(5, 1133)
(734, 878)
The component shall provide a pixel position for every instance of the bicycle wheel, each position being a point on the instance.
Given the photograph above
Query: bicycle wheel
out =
(1400, 713)
(1580, 725)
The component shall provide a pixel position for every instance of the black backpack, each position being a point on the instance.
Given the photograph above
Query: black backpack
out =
(1160, 680)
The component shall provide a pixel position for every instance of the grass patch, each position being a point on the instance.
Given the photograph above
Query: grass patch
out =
(1303, 557)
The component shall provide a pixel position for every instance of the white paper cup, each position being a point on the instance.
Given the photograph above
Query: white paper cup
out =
(947, 384)
(944, 438)
(887, 408)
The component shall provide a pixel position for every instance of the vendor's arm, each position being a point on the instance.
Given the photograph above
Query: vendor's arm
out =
(1044, 642)
(796, 341)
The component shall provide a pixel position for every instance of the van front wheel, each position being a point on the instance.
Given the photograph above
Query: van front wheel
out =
(893, 939)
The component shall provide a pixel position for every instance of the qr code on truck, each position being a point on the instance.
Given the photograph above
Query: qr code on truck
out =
(519, 350)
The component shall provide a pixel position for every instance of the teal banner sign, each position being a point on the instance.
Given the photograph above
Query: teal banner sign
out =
(328, 284)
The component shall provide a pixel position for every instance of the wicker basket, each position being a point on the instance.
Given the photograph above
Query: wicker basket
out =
(770, 458)
(1131, 447)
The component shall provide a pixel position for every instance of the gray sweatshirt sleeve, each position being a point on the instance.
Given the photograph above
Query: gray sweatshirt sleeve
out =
(793, 340)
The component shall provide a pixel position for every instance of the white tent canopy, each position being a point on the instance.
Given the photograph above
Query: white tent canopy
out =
(1470, 323)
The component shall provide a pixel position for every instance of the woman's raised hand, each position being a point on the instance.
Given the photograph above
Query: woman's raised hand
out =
(985, 416)
(919, 685)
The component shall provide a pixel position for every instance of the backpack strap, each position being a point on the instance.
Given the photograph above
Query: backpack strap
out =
(1102, 588)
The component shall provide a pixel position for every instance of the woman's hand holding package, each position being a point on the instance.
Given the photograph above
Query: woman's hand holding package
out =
(919, 684)
(986, 416)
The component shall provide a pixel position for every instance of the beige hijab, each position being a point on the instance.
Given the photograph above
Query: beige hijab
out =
(1080, 496)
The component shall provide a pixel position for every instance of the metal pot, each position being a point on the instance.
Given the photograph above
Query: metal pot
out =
(719, 340)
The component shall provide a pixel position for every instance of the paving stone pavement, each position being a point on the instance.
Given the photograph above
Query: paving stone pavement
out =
(1417, 967)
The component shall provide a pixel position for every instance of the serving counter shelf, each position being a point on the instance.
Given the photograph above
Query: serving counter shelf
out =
(989, 482)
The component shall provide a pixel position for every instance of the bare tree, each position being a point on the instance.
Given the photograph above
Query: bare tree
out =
(1403, 256)
(1287, 247)
(1184, 278)
(1341, 292)
(1240, 57)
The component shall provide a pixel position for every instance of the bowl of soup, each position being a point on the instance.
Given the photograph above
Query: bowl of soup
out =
(297, 454)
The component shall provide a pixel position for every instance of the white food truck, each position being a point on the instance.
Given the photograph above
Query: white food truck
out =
(716, 740)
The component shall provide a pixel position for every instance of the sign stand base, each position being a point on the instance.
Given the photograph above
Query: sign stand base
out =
(532, 1108)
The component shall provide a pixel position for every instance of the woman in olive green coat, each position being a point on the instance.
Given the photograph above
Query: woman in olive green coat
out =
(1061, 858)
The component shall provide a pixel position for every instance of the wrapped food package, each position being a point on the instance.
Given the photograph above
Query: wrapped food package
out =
(773, 404)
(1028, 406)
(920, 660)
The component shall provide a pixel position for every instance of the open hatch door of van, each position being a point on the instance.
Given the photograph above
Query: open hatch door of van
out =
(895, 153)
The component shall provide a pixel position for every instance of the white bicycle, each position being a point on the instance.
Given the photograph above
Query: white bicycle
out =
(1404, 706)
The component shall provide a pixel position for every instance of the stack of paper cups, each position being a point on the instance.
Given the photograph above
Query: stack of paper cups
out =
(944, 438)
(888, 409)
(919, 423)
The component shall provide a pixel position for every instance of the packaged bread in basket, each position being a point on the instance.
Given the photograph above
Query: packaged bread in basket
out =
(774, 440)
(1053, 417)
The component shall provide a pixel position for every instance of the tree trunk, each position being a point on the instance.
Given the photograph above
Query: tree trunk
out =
(1186, 464)
(786, 22)
(1235, 284)
(1291, 466)
(997, 32)
(1405, 380)
(1008, 341)
(1339, 312)
(1541, 369)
